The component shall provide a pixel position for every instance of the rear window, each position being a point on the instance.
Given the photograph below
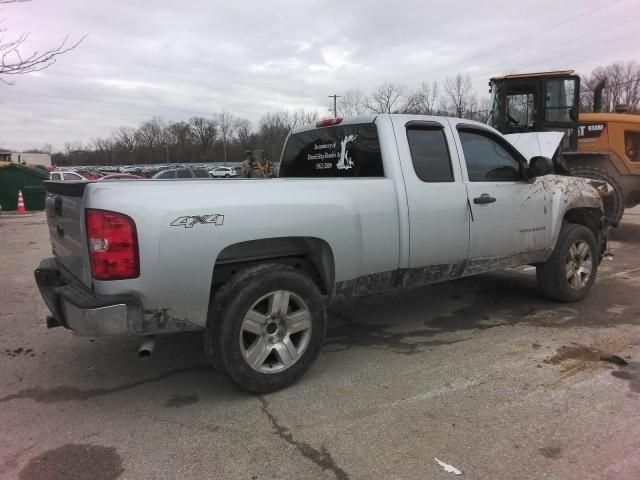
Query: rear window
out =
(430, 154)
(340, 151)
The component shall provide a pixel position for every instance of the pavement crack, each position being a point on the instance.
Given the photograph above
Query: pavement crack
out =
(65, 393)
(321, 457)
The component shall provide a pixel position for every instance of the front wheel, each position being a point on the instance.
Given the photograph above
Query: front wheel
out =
(266, 327)
(569, 273)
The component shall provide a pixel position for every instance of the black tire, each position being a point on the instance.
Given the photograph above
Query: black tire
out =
(225, 337)
(227, 176)
(552, 275)
(614, 203)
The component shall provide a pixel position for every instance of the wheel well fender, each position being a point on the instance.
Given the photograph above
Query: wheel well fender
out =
(312, 255)
(590, 218)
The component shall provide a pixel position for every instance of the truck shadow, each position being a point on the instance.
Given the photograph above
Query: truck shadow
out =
(407, 322)
(626, 233)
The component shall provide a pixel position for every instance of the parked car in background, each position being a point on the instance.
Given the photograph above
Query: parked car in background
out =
(121, 176)
(223, 172)
(182, 173)
(88, 174)
(66, 176)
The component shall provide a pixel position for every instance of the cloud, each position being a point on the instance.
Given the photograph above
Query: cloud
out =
(176, 60)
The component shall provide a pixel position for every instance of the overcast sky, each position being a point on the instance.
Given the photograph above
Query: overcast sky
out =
(179, 59)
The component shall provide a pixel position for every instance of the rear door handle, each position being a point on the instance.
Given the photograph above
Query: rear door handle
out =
(484, 198)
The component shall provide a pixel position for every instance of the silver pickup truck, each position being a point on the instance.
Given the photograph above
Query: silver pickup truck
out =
(361, 205)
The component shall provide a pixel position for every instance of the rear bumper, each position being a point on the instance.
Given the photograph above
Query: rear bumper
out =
(77, 308)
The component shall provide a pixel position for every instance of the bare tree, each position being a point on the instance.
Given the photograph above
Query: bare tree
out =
(471, 112)
(272, 132)
(204, 131)
(352, 102)
(179, 134)
(622, 87)
(422, 101)
(387, 98)
(297, 118)
(70, 148)
(458, 93)
(244, 133)
(226, 122)
(125, 139)
(153, 133)
(274, 127)
(101, 144)
(14, 60)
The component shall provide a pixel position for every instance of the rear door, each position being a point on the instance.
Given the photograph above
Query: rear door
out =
(437, 198)
(511, 217)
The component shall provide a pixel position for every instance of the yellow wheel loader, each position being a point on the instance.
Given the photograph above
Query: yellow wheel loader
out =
(602, 146)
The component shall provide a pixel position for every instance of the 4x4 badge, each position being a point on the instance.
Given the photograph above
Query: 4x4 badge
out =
(191, 220)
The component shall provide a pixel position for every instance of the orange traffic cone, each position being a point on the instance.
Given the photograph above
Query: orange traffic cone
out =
(21, 209)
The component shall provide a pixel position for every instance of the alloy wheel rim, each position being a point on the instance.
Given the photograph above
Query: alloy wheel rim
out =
(275, 332)
(579, 264)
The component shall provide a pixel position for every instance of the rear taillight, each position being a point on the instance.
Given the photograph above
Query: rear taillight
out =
(328, 122)
(113, 245)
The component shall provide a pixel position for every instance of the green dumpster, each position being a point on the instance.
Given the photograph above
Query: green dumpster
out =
(14, 177)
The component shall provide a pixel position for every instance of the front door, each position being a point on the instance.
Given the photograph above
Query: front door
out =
(511, 217)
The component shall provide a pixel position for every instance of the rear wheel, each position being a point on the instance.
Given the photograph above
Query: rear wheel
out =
(569, 273)
(266, 327)
(614, 203)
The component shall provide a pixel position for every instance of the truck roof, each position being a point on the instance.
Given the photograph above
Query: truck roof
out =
(556, 73)
(370, 118)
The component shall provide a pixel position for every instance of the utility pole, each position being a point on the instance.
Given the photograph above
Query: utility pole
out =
(335, 104)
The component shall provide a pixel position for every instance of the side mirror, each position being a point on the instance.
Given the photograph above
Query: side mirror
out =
(540, 166)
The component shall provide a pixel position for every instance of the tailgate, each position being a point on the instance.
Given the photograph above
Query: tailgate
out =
(65, 216)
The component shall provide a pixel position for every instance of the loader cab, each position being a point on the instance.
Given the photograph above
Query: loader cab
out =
(535, 102)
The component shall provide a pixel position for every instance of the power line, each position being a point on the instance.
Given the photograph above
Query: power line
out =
(335, 104)
(516, 58)
(582, 49)
(509, 41)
